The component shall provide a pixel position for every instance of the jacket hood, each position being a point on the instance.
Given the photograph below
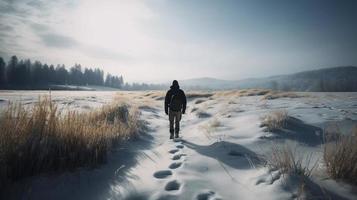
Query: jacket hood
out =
(175, 85)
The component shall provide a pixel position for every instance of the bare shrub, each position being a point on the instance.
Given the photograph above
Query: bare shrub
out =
(340, 154)
(42, 139)
(288, 160)
(275, 120)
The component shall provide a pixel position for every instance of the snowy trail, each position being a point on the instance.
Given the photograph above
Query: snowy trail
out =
(199, 166)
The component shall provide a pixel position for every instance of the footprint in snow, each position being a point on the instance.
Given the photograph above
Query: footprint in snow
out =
(172, 185)
(180, 146)
(175, 165)
(162, 174)
(177, 140)
(207, 195)
(178, 156)
(173, 151)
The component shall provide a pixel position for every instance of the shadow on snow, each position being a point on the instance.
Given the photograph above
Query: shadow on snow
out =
(231, 154)
(295, 129)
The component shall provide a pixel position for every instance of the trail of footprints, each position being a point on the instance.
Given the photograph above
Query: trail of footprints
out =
(172, 185)
(175, 185)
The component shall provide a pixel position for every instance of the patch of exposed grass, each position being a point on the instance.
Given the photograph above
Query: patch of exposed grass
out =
(211, 127)
(41, 139)
(276, 95)
(229, 93)
(340, 154)
(193, 95)
(156, 95)
(215, 123)
(255, 92)
(288, 160)
(243, 93)
(275, 120)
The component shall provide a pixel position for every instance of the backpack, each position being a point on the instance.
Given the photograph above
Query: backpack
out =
(175, 103)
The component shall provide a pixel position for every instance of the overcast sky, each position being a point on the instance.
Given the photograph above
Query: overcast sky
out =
(160, 40)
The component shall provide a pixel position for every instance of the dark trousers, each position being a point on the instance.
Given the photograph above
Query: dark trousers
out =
(174, 118)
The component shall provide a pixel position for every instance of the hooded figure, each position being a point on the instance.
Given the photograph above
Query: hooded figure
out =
(175, 106)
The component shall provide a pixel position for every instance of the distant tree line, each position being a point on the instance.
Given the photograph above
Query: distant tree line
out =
(143, 86)
(336, 79)
(26, 74)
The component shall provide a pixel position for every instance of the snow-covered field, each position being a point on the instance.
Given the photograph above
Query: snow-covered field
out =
(218, 156)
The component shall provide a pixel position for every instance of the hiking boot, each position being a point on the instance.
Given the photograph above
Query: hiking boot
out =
(176, 135)
(171, 136)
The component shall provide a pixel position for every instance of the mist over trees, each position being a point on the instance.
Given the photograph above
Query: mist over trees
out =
(144, 86)
(26, 74)
(335, 79)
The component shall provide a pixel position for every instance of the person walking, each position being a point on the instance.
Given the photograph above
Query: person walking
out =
(175, 106)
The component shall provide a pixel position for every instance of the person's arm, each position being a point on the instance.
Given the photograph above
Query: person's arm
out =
(184, 100)
(167, 100)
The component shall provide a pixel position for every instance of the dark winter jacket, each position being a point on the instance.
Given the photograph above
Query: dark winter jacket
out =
(175, 90)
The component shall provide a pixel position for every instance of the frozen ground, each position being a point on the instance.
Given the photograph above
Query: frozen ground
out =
(218, 156)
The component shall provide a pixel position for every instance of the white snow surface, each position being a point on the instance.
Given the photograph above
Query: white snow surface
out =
(216, 157)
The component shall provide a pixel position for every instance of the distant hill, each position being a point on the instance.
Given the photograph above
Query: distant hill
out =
(208, 83)
(336, 79)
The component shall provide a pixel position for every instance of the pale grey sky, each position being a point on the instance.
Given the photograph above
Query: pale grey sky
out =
(159, 40)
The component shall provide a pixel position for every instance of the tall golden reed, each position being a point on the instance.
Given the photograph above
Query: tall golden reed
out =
(43, 139)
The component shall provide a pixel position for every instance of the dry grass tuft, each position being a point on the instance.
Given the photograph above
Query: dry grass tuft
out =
(215, 123)
(275, 120)
(42, 139)
(288, 160)
(275, 95)
(243, 93)
(211, 127)
(266, 93)
(193, 95)
(340, 154)
(254, 92)
(155, 94)
(228, 93)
